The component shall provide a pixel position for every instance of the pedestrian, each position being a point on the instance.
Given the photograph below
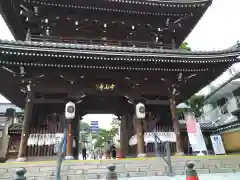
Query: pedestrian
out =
(108, 150)
(84, 153)
(114, 153)
(93, 154)
(100, 154)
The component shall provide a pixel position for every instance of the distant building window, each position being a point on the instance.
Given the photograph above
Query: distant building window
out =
(222, 103)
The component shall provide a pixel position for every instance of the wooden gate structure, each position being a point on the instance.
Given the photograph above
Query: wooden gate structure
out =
(106, 55)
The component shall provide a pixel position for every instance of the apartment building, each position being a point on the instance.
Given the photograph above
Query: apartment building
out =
(222, 108)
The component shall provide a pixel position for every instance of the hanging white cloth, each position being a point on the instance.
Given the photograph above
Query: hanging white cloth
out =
(58, 138)
(34, 140)
(53, 139)
(47, 139)
(29, 142)
(149, 137)
(40, 140)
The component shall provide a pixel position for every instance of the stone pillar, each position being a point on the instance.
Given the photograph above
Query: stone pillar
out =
(124, 137)
(69, 148)
(176, 126)
(25, 128)
(139, 124)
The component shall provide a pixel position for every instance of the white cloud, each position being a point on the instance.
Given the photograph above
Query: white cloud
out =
(219, 28)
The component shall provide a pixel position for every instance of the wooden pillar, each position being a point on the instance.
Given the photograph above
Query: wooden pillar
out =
(124, 137)
(75, 135)
(25, 128)
(69, 148)
(131, 132)
(139, 123)
(176, 126)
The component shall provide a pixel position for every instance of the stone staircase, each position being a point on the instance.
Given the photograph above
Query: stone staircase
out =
(83, 170)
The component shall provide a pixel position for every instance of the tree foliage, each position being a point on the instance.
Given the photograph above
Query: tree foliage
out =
(84, 126)
(101, 137)
(84, 129)
(185, 46)
(195, 103)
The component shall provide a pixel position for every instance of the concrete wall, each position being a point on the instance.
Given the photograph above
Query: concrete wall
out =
(4, 146)
(4, 141)
(231, 141)
(232, 104)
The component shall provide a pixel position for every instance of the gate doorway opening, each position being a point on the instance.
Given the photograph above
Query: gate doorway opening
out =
(95, 132)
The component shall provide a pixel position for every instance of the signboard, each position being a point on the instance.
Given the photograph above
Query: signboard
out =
(217, 144)
(94, 126)
(103, 86)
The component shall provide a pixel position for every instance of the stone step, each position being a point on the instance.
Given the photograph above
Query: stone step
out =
(133, 168)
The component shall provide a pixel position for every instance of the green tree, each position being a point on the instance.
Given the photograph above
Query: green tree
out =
(195, 103)
(115, 125)
(84, 126)
(101, 137)
(185, 46)
(84, 130)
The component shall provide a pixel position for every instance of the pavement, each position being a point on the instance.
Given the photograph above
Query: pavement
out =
(221, 176)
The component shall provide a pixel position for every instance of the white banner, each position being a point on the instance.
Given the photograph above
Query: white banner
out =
(198, 142)
(217, 144)
(149, 137)
(194, 133)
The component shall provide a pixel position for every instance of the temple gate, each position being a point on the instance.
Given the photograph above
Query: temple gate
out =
(103, 55)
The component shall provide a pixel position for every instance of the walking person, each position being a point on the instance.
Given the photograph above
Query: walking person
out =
(84, 153)
(101, 154)
(108, 150)
(113, 150)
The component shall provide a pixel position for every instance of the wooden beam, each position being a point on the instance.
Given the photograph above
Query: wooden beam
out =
(49, 101)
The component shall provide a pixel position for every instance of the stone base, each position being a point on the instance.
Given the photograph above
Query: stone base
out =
(201, 154)
(69, 158)
(179, 154)
(21, 159)
(141, 155)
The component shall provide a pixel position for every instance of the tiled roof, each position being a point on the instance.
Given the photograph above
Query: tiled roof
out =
(88, 48)
(5, 106)
(228, 126)
(15, 127)
(203, 125)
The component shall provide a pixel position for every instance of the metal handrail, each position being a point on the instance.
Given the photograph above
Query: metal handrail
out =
(82, 40)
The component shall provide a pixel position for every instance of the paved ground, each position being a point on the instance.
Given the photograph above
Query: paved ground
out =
(222, 176)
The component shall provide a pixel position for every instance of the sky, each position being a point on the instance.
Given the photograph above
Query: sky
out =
(218, 29)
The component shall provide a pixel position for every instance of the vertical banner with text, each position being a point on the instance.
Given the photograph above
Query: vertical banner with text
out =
(194, 131)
